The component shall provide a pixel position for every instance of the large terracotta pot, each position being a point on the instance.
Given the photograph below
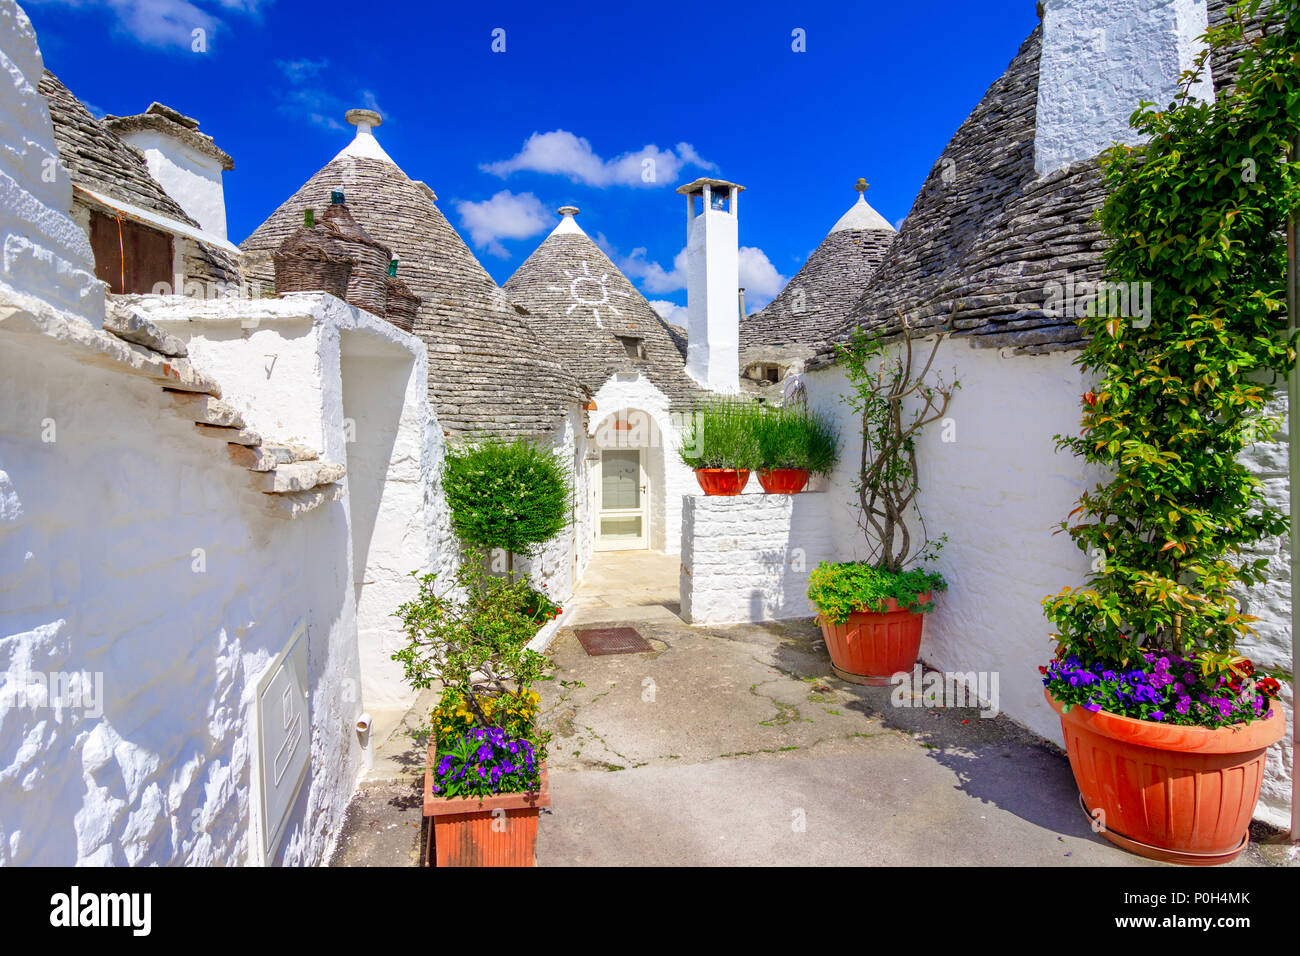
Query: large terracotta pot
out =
(1165, 791)
(467, 831)
(871, 646)
(783, 481)
(722, 481)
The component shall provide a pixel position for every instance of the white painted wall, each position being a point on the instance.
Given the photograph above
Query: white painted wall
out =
(190, 177)
(47, 262)
(129, 548)
(1271, 602)
(559, 565)
(998, 492)
(312, 370)
(1100, 59)
(748, 557)
(669, 478)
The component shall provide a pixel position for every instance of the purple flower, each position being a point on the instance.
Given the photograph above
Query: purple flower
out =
(1157, 715)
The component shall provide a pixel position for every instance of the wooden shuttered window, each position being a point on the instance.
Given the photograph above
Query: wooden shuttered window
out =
(147, 253)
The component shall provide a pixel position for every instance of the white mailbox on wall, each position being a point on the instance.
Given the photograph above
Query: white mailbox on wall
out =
(283, 720)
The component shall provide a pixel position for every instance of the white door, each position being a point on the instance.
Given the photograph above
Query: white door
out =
(622, 516)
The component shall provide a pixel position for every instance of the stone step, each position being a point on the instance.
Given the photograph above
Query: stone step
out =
(206, 409)
(269, 455)
(294, 504)
(237, 436)
(299, 476)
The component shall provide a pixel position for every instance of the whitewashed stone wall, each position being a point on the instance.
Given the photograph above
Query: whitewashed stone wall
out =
(1100, 59)
(558, 566)
(311, 370)
(1271, 602)
(48, 264)
(130, 551)
(998, 491)
(190, 177)
(748, 557)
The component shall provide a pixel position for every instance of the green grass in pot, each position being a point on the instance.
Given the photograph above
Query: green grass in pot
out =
(794, 437)
(723, 433)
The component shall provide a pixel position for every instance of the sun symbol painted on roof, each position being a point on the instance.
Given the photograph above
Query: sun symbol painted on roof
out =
(590, 292)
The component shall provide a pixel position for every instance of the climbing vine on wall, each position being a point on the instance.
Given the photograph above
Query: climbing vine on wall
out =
(1198, 211)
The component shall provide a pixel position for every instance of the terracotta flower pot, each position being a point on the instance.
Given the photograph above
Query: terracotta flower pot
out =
(783, 481)
(1166, 791)
(722, 481)
(872, 646)
(463, 831)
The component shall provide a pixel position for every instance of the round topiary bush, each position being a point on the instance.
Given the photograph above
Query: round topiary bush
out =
(511, 495)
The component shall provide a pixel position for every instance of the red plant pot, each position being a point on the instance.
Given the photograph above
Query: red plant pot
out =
(1166, 791)
(871, 646)
(783, 481)
(469, 831)
(722, 481)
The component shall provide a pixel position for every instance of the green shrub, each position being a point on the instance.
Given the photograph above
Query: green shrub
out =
(723, 433)
(471, 637)
(511, 495)
(794, 437)
(1198, 213)
(839, 590)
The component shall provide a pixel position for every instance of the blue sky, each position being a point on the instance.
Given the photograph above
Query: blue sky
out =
(582, 94)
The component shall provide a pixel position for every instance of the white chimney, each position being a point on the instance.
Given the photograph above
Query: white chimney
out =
(1099, 60)
(712, 283)
(186, 163)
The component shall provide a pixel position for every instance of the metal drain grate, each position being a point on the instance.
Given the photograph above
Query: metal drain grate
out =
(597, 641)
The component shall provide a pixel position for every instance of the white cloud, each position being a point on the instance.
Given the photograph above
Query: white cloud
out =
(300, 71)
(759, 278)
(650, 275)
(167, 23)
(303, 99)
(561, 153)
(505, 216)
(670, 312)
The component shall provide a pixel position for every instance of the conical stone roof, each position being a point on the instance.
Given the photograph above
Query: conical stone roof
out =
(583, 305)
(488, 373)
(816, 301)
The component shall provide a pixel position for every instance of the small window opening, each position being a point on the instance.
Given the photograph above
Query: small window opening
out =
(634, 346)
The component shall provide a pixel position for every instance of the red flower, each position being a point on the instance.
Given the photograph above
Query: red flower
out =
(1270, 686)
(1089, 398)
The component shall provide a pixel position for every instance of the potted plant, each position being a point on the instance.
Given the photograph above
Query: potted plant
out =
(871, 612)
(1165, 721)
(485, 777)
(793, 444)
(721, 444)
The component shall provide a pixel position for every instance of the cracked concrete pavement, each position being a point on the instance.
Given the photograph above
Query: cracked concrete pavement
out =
(738, 746)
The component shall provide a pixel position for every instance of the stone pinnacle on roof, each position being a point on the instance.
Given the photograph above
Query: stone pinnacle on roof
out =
(567, 225)
(861, 215)
(364, 143)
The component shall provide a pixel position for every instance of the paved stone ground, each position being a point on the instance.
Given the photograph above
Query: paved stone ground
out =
(738, 746)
